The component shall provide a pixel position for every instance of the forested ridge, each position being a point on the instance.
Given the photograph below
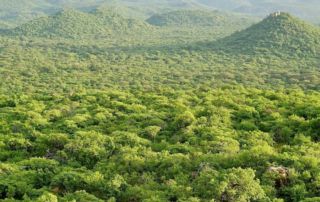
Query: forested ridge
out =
(16, 12)
(70, 23)
(96, 106)
(281, 33)
(199, 18)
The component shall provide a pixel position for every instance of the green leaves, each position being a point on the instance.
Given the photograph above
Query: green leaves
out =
(240, 185)
(89, 147)
(190, 145)
(151, 131)
(232, 185)
(184, 120)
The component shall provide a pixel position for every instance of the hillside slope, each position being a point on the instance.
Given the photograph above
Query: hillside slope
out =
(17, 12)
(74, 24)
(308, 10)
(198, 18)
(278, 33)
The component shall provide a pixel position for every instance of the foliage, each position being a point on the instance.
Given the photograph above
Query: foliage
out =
(98, 107)
(199, 18)
(76, 24)
(288, 34)
(198, 153)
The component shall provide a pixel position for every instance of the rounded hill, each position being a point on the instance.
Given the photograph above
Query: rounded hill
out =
(278, 33)
(75, 24)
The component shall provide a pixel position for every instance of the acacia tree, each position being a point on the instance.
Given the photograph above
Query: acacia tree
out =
(185, 119)
(152, 131)
(235, 185)
(89, 147)
(239, 185)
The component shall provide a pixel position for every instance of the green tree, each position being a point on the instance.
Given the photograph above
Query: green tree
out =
(89, 147)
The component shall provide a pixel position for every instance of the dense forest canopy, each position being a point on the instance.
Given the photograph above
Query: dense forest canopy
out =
(232, 143)
(72, 24)
(289, 35)
(180, 102)
(199, 18)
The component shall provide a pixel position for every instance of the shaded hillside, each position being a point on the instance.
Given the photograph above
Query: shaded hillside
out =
(75, 24)
(278, 33)
(198, 18)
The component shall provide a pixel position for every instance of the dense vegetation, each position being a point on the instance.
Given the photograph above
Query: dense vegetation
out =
(301, 8)
(154, 59)
(168, 146)
(98, 107)
(17, 12)
(70, 24)
(281, 33)
(198, 18)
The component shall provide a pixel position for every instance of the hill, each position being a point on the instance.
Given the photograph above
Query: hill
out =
(74, 24)
(198, 18)
(16, 12)
(308, 10)
(278, 33)
(164, 5)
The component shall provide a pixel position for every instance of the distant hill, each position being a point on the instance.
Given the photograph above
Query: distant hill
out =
(74, 24)
(163, 5)
(198, 18)
(4, 25)
(278, 33)
(16, 12)
(308, 10)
